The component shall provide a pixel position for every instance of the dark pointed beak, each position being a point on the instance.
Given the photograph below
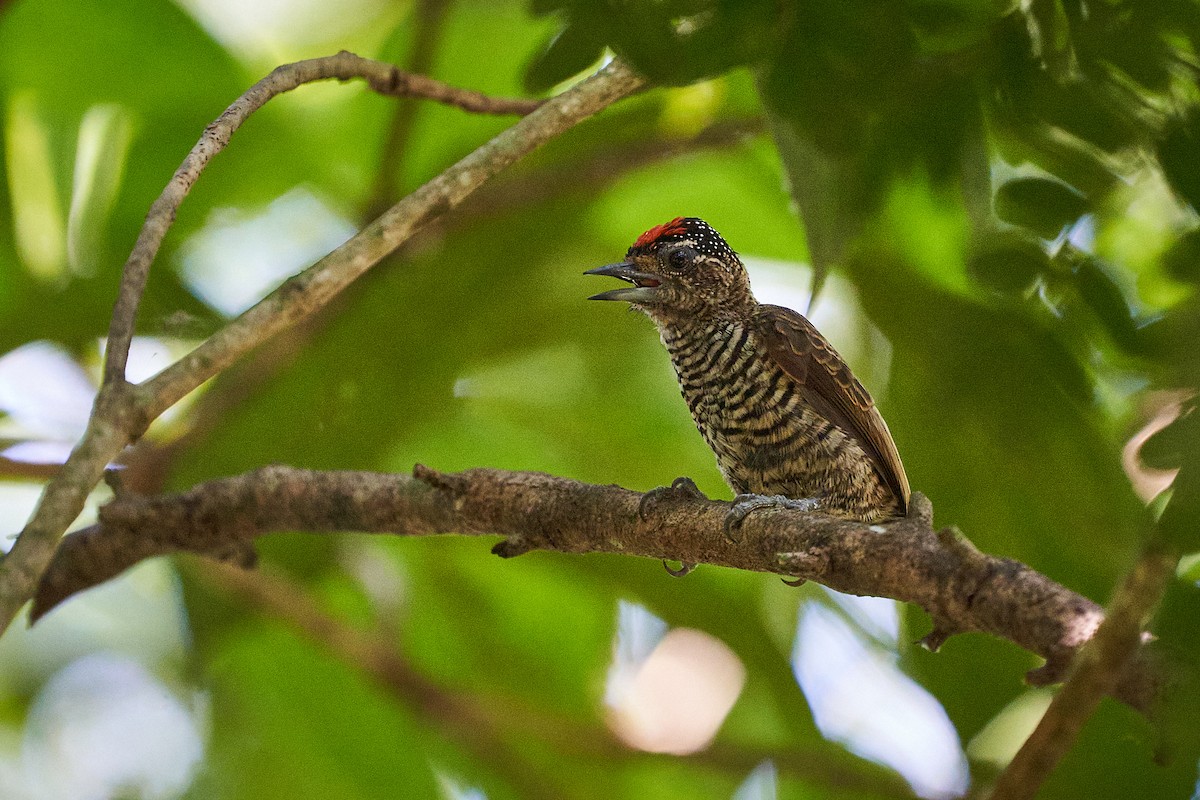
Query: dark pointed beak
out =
(644, 289)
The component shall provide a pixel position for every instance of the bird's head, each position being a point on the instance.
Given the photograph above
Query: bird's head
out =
(682, 267)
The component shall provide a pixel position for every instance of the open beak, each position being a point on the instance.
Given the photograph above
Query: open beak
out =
(644, 289)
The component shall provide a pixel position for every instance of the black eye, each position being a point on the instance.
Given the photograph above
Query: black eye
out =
(681, 257)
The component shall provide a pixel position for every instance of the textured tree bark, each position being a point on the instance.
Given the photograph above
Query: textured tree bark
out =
(962, 588)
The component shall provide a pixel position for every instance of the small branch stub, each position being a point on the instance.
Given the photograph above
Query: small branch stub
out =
(512, 546)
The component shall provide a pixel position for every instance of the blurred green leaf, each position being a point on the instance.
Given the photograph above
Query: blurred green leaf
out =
(293, 722)
(1007, 261)
(1179, 155)
(1171, 341)
(678, 42)
(835, 66)
(37, 210)
(1180, 520)
(571, 51)
(1042, 205)
(821, 185)
(1165, 448)
(1086, 110)
(1115, 757)
(1049, 20)
(951, 25)
(1107, 300)
(1177, 628)
(542, 7)
(1182, 260)
(1137, 39)
(104, 138)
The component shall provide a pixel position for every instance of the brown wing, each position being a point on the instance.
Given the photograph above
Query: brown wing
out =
(831, 389)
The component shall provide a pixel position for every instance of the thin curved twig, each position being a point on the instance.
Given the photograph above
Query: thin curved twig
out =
(311, 289)
(962, 588)
(383, 78)
(122, 412)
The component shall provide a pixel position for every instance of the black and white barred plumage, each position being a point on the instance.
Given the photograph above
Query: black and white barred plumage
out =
(772, 398)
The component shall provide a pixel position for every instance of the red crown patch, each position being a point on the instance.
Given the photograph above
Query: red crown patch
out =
(690, 229)
(672, 228)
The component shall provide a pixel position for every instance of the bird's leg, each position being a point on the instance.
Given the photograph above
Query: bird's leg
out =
(745, 504)
(680, 488)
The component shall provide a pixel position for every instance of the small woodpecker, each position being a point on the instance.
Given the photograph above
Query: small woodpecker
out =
(789, 423)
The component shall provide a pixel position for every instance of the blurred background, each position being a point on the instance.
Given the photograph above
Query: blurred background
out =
(988, 207)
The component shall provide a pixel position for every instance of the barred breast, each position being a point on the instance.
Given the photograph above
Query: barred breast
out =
(767, 439)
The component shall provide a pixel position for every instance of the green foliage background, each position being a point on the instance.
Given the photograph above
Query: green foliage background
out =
(936, 151)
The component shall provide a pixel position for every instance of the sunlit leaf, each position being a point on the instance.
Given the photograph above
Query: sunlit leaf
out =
(37, 210)
(104, 139)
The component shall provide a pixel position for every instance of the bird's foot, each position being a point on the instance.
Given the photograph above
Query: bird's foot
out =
(745, 504)
(680, 489)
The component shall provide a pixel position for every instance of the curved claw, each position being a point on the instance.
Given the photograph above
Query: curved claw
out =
(741, 508)
(745, 504)
(733, 527)
(687, 487)
(680, 488)
(684, 569)
(794, 581)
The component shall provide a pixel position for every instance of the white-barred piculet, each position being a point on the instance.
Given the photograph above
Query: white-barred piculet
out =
(789, 423)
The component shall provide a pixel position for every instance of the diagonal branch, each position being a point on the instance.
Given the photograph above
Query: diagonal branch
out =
(962, 588)
(463, 717)
(122, 412)
(482, 722)
(383, 78)
(1095, 672)
(311, 289)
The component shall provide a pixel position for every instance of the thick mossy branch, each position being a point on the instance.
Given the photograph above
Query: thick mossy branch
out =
(962, 588)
